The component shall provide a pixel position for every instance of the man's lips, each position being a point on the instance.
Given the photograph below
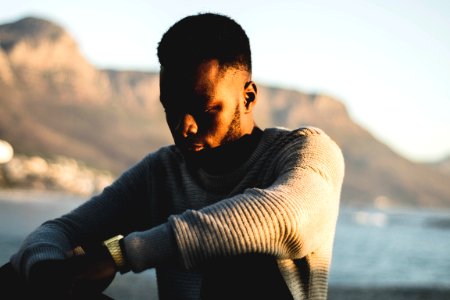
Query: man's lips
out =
(195, 147)
(190, 145)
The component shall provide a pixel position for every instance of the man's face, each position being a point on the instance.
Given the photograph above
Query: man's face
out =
(204, 106)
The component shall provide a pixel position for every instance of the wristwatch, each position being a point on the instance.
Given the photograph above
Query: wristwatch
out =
(113, 246)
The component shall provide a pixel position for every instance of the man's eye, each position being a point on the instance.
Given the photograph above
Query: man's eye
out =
(212, 109)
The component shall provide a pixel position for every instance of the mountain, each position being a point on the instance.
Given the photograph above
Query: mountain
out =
(54, 102)
(442, 165)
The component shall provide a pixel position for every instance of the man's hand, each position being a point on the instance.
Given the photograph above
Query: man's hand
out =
(96, 271)
(77, 277)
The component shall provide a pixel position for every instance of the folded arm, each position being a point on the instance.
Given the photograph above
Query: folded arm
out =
(288, 219)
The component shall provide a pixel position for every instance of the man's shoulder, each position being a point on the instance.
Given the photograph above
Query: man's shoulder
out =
(301, 138)
(310, 145)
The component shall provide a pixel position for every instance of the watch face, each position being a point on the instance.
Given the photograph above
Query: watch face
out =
(114, 238)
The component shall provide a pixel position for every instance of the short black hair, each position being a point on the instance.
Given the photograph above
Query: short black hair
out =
(205, 36)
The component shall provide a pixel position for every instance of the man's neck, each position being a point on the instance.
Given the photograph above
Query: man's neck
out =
(228, 157)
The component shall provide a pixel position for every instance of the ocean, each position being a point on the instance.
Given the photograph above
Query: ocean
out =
(374, 249)
(392, 247)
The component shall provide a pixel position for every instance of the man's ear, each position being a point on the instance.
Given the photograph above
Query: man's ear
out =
(250, 93)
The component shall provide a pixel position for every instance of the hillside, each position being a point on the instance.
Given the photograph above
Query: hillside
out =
(54, 102)
(442, 165)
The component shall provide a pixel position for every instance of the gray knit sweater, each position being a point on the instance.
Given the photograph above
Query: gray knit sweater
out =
(282, 203)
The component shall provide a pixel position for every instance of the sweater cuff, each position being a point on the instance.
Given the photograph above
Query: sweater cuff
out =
(23, 262)
(150, 248)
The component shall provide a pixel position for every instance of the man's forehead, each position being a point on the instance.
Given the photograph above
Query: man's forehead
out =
(204, 80)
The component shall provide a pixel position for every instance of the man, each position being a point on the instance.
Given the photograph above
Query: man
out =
(228, 212)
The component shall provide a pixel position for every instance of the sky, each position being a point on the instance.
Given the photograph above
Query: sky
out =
(388, 61)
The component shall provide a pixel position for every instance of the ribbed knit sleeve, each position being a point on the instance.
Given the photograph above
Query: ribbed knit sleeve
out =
(288, 219)
(119, 209)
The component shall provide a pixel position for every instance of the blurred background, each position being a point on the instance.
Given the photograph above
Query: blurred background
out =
(79, 104)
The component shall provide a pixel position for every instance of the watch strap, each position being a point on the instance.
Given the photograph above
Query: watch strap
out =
(115, 250)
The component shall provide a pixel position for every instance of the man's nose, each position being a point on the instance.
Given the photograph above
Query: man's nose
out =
(188, 125)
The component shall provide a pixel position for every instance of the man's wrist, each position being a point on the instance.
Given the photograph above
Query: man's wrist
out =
(114, 246)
